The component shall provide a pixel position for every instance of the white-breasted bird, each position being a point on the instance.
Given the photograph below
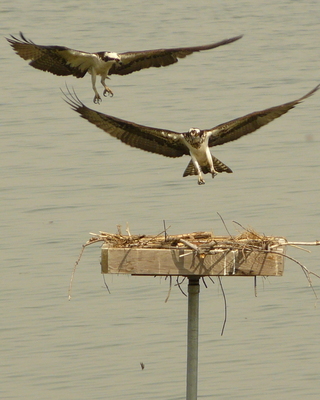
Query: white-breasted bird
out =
(60, 60)
(195, 142)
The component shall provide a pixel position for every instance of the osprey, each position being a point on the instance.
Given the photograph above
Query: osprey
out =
(60, 60)
(195, 142)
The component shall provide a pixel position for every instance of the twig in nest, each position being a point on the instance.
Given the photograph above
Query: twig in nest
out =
(306, 271)
(210, 277)
(225, 306)
(225, 226)
(169, 291)
(269, 249)
(315, 243)
(128, 230)
(251, 231)
(165, 230)
(105, 283)
(204, 282)
(155, 237)
(74, 271)
(189, 244)
(179, 285)
(90, 241)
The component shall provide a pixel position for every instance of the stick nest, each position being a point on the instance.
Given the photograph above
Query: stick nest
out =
(202, 242)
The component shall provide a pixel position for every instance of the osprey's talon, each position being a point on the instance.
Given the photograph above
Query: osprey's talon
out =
(108, 91)
(214, 174)
(97, 99)
(201, 181)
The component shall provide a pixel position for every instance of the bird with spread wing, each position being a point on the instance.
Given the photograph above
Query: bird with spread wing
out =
(60, 60)
(195, 142)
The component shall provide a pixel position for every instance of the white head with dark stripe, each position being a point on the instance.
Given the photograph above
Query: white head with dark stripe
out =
(107, 56)
(195, 137)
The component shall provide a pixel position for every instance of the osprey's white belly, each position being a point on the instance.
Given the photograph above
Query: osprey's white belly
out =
(201, 154)
(100, 67)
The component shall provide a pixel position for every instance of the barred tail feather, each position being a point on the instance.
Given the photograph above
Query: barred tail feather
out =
(190, 170)
(219, 166)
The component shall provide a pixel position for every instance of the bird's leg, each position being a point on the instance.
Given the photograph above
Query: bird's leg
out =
(106, 89)
(210, 162)
(97, 99)
(197, 167)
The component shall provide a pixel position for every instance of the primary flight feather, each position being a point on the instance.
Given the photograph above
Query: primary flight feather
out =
(195, 142)
(60, 60)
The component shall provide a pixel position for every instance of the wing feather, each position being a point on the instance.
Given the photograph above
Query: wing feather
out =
(58, 60)
(242, 126)
(137, 60)
(164, 142)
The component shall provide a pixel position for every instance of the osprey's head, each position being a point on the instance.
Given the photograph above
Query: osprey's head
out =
(195, 137)
(108, 56)
(194, 132)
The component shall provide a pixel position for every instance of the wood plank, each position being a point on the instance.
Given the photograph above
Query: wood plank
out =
(163, 262)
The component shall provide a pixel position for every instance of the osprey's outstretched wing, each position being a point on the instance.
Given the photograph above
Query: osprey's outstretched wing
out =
(132, 61)
(242, 126)
(159, 141)
(58, 60)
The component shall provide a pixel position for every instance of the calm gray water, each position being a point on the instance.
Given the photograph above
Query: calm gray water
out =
(62, 178)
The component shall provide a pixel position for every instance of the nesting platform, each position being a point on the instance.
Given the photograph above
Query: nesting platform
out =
(193, 254)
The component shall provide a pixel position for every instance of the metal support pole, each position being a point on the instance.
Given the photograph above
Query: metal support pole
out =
(193, 333)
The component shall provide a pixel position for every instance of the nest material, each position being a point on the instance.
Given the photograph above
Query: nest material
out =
(201, 242)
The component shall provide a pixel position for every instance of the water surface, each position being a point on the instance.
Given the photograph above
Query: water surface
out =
(62, 178)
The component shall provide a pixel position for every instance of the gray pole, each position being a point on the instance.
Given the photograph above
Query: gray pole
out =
(193, 333)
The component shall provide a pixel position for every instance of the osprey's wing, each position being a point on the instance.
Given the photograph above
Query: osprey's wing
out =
(58, 60)
(136, 60)
(239, 127)
(159, 141)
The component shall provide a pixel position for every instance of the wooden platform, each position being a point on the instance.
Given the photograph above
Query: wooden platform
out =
(198, 254)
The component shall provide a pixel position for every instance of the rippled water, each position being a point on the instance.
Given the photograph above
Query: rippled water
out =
(62, 178)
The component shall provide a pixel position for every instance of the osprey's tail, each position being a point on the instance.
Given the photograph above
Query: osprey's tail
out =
(218, 166)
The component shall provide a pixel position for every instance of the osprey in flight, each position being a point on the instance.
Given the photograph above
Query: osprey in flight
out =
(60, 60)
(195, 142)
